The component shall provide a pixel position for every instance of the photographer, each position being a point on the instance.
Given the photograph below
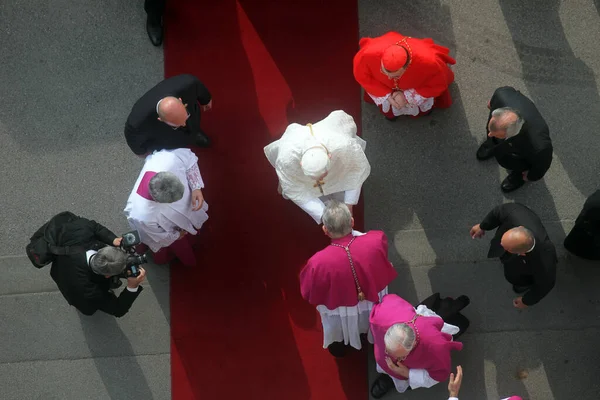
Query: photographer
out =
(84, 277)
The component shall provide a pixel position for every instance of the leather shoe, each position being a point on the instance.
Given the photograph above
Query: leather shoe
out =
(381, 386)
(520, 289)
(202, 140)
(486, 150)
(337, 349)
(154, 28)
(392, 119)
(513, 181)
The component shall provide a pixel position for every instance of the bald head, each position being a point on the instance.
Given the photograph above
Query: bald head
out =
(172, 111)
(518, 240)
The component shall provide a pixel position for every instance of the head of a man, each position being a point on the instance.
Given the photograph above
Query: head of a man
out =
(399, 340)
(337, 220)
(518, 240)
(109, 261)
(172, 111)
(165, 187)
(505, 123)
(316, 162)
(394, 61)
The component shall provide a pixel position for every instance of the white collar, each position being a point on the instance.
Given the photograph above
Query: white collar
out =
(531, 246)
(157, 104)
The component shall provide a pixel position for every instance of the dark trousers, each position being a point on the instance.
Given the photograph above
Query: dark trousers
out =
(449, 310)
(154, 8)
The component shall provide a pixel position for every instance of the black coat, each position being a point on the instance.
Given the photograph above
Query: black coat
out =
(145, 133)
(584, 238)
(80, 286)
(531, 149)
(536, 268)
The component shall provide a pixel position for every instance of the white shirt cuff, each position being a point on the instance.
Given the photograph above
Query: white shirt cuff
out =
(452, 398)
(133, 290)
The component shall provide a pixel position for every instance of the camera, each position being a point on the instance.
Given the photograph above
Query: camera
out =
(134, 260)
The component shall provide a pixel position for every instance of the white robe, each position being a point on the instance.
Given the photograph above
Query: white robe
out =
(348, 170)
(159, 224)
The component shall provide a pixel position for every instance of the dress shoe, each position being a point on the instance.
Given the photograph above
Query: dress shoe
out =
(154, 28)
(486, 150)
(392, 119)
(381, 386)
(520, 289)
(512, 182)
(337, 349)
(202, 140)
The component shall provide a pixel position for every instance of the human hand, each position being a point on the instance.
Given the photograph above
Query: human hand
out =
(182, 233)
(399, 368)
(518, 303)
(525, 176)
(207, 106)
(197, 199)
(134, 282)
(117, 242)
(477, 232)
(454, 382)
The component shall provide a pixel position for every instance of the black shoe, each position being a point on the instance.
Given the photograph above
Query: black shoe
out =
(512, 182)
(392, 119)
(154, 28)
(115, 283)
(486, 150)
(381, 386)
(520, 289)
(337, 349)
(202, 140)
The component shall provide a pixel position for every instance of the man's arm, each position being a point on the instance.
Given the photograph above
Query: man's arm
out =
(351, 197)
(102, 233)
(540, 163)
(314, 207)
(494, 218)
(137, 141)
(544, 278)
(118, 306)
(202, 93)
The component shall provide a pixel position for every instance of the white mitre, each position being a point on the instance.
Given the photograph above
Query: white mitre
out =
(332, 146)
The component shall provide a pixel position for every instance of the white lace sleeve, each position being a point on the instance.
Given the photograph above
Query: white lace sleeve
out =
(194, 178)
(379, 100)
(415, 99)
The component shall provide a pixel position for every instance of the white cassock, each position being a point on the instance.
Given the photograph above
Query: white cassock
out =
(348, 170)
(160, 224)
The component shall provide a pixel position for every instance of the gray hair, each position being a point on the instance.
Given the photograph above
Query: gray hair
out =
(109, 261)
(337, 219)
(165, 187)
(399, 335)
(513, 128)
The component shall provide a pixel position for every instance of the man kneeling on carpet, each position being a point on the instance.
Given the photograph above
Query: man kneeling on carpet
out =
(412, 346)
(344, 279)
(167, 204)
(319, 162)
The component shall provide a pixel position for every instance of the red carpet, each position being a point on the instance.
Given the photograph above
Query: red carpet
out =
(239, 326)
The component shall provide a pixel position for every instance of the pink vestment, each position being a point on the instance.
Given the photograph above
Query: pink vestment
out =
(327, 278)
(432, 350)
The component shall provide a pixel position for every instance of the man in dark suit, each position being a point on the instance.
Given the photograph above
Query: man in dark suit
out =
(584, 238)
(84, 278)
(528, 255)
(518, 137)
(154, 22)
(168, 116)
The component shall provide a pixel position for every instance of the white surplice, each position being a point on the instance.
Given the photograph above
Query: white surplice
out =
(159, 224)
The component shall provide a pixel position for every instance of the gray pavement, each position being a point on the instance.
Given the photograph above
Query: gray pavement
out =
(427, 189)
(69, 72)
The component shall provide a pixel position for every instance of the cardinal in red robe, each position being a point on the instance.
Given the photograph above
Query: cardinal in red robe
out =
(404, 75)
(346, 278)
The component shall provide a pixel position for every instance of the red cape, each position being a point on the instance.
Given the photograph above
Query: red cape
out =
(428, 72)
(327, 278)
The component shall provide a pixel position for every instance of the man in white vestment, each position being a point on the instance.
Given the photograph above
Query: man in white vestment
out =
(167, 203)
(320, 161)
(346, 278)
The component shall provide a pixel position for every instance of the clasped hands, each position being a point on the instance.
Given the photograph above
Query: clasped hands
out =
(397, 99)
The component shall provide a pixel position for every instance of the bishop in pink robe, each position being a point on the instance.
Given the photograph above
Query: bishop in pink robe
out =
(427, 362)
(346, 278)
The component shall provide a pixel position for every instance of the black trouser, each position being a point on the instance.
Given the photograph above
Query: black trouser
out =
(449, 310)
(154, 8)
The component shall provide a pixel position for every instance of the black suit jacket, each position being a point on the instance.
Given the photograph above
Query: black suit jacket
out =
(539, 265)
(145, 133)
(531, 149)
(80, 286)
(584, 238)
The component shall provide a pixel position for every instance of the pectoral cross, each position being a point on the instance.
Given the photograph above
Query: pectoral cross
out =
(319, 183)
